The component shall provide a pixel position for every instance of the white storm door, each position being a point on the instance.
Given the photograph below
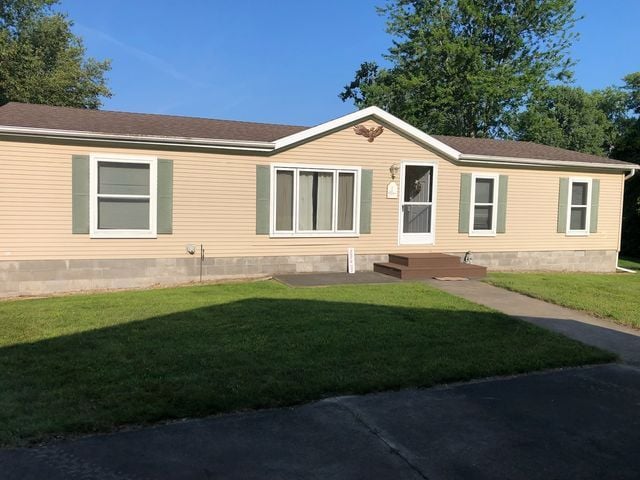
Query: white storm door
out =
(416, 204)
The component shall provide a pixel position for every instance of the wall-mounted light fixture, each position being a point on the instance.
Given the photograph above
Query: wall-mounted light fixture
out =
(394, 170)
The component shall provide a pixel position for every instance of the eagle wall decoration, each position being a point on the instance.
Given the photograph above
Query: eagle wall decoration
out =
(369, 133)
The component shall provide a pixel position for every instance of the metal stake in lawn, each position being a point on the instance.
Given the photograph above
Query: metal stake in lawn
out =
(201, 260)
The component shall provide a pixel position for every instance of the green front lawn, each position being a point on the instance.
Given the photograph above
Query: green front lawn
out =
(89, 363)
(612, 296)
(628, 262)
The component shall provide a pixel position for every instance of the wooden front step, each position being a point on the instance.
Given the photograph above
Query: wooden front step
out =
(415, 273)
(428, 265)
(424, 259)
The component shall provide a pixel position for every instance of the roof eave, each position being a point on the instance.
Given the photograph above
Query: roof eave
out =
(291, 140)
(248, 145)
(516, 161)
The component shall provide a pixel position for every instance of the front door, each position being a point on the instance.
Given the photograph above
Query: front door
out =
(416, 204)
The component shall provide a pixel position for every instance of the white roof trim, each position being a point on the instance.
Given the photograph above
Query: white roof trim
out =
(517, 161)
(139, 139)
(305, 135)
(434, 144)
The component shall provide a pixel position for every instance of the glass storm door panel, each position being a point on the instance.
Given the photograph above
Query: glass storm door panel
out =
(416, 204)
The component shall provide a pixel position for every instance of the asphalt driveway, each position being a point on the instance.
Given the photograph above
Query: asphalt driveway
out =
(576, 423)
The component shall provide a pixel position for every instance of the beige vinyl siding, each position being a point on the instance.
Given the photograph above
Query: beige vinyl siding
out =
(214, 204)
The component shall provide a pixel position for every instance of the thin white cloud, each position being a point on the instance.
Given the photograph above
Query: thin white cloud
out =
(153, 61)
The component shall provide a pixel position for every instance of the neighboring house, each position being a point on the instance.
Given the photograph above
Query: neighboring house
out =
(95, 199)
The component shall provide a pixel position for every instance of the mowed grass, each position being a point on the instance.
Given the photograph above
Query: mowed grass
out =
(630, 263)
(611, 296)
(90, 363)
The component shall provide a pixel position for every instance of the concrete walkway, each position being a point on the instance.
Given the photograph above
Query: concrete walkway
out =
(575, 423)
(607, 335)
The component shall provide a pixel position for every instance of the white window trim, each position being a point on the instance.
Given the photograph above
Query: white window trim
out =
(494, 205)
(94, 231)
(418, 238)
(297, 168)
(587, 223)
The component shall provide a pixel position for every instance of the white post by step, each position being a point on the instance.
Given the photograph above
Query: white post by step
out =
(351, 260)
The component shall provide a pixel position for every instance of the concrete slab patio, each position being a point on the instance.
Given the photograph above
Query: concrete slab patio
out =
(624, 341)
(576, 423)
(334, 278)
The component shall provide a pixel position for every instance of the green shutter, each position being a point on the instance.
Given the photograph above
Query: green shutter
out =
(80, 193)
(465, 203)
(165, 196)
(263, 187)
(563, 199)
(501, 223)
(366, 186)
(595, 202)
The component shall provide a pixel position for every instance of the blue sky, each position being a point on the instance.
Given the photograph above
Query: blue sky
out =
(283, 61)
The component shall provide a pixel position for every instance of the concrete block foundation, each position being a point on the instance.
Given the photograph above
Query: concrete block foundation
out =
(597, 261)
(42, 277)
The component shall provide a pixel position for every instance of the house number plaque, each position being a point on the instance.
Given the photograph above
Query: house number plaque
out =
(392, 190)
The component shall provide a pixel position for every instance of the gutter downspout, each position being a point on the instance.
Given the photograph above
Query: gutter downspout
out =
(625, 270)
(630, 174)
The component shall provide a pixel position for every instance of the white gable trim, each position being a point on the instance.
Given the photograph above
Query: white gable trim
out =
(434, 144)
(370, 112)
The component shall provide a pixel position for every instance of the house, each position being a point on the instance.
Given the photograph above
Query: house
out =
(96, 199)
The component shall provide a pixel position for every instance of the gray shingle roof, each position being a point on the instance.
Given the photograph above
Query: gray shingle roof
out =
(24, 115)
(140, 124)
(515, 149)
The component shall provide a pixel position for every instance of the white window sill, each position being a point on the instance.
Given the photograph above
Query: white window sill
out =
(123, 234)
(315, 235)
(578, 234)
(416, 242)
(481, 233)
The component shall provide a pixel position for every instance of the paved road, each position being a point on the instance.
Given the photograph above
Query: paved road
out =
(624, 341)
(576, 423)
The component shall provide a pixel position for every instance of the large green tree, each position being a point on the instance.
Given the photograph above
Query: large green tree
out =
(569, 117)
(628, 143)
(42, 61)
(463, 67)
(628, 148)
(597, 122)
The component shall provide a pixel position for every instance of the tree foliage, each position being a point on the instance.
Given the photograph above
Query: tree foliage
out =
(568, 117)
(628, 144)
(462, 67)
(42, 61)
(628, 148)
